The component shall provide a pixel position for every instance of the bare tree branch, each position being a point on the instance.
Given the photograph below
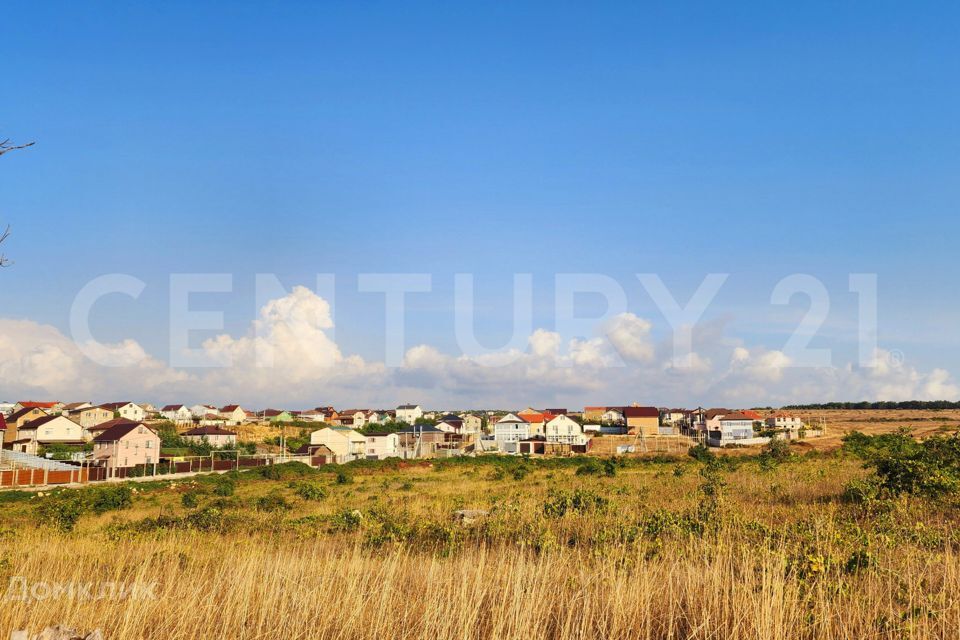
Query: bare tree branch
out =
(5, 261)
(6, 146)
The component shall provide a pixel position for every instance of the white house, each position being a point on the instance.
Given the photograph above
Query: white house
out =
(176, 413)
(200, 410)
(509, 430)
(472, 423)
(233, 414)
(127, 410)
(346, 444)
(733, 427)
(564, 430)
(612, 416)
(781, 420)
(45, 431)
(216, 436)
(382, 445)
(409, 413)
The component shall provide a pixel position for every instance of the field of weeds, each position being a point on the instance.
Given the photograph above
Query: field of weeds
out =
(774, 546)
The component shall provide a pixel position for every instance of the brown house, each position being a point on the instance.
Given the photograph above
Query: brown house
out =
(642, 420)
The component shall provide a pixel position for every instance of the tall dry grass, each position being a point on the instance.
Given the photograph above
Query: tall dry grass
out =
(234, 587)
(779, 557)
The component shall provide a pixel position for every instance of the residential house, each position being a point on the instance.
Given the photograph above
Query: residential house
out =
(672, 417)
(563, 430)
(177, 413)
(233, 414)
(127, 444)
(313, 415)
(47, 430)
(216, 436)
(277, 415)
(556, 412)
(127, 410)
(355, 418)
(91, 433)
(200, 410)
(644, 421)
(733, 427)
(784, 421)
(472, 423)
(382, 445)
(594, 414)
(424, 441)
(48, 407)
(409, 413)
(509, 430)
(91, 416)
(211, 420)
(612, 416)
(70, 407)
(453, 422)
(346, 444)
(17, 419)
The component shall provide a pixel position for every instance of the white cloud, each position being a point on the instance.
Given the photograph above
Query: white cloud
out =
(288, 358)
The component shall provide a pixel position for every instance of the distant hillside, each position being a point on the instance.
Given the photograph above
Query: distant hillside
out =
(907, 404)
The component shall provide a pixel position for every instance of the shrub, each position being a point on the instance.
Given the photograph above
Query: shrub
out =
(110, 498)
(224, 487)
(61, 511)
(309, 491)
(190, 499)
(930, 468)
(559, 503)
(702, 453)
(343, 478)
(273, 502)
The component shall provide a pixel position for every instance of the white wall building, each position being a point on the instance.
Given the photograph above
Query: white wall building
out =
(346, 444)
(510, 430)
(565, 431)
(409, 413)
(382, 445)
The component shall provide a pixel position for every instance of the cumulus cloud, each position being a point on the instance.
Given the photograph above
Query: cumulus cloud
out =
(288, 358)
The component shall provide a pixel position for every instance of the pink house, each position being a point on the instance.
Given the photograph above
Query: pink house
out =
(127, 444)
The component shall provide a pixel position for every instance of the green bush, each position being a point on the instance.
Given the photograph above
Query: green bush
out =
(559, 503)
(273, 502)
(309, 491)
(190, 499)
(61, 511)
(224, 487)
(929, 468)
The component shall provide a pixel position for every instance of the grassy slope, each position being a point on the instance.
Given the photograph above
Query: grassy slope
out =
(781, 557)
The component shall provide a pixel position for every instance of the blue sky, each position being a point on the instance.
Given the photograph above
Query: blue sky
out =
(543, 138)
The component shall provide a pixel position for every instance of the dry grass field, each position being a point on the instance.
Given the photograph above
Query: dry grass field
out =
(584, 548)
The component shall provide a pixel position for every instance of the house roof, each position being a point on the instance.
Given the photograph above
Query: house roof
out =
(273, 412)
(32, 404)
(39, 422)
(640, 412)
(118, 430)
(230, 408)
(16, 415)
(418, 429)
(378, 434)
(173, 407)
(738, 415)
(209, 430)
(753, 415)
(71, 406)
(115, 405)
(3, 423)
(408, 406)
(713, 413)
